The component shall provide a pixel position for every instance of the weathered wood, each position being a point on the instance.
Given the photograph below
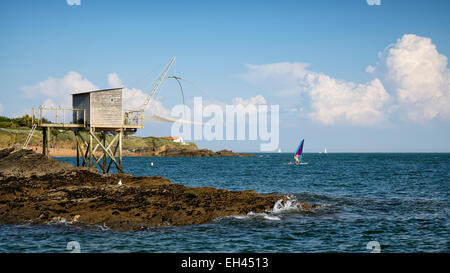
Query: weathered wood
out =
(110, 162)
(104, 155)
(104, 108)
(100, 110)
(83, 141)
(120, 147)
(90, 147)
(44, 141)
(107, 151)
(78, 149)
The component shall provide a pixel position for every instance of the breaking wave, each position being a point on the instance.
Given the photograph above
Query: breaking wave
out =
(288, 205)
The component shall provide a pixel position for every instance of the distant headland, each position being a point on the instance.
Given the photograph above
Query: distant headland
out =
(14, 132)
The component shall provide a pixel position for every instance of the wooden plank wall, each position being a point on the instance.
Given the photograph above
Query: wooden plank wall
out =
(106, 108)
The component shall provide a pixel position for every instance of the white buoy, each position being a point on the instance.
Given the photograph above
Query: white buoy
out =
(120, 182)
(151, 163)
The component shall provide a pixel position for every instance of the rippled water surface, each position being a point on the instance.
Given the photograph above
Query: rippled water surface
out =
(399, 200)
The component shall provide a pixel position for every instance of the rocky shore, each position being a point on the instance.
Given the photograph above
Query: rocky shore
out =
(38, 190)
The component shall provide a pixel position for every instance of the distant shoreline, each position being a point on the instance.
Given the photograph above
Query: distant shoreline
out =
(65, 152)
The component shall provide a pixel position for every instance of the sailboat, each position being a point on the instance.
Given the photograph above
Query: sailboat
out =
(325, 151)
(299, 153)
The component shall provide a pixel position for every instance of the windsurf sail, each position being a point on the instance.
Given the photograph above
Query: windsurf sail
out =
(299, 150)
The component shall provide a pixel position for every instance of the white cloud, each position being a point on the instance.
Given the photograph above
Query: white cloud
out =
(332, 101)
(279, 77)
(114, 80)
(370, 69)
(133, 99)
(335, 101)
(58, 90)
(256, 100)
(419, 77)
(412, 70)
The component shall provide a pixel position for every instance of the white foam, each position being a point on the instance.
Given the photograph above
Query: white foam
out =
(264, 216)
(239, 216)
(286, 206)
(103, 227)
(272, 217)
(281, 206)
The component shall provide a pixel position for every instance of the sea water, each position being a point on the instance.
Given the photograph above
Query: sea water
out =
(400, 201)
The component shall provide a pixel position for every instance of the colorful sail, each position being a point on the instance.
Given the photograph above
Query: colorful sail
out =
(300, 148)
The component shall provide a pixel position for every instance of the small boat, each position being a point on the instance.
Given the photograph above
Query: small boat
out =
(279, 150)
(299, 153)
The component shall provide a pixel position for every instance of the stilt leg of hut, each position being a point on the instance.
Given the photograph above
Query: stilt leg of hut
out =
(120, 147)
(104, 153)
(90, 147)
(78, 149)
(107, 150)
(45, 141)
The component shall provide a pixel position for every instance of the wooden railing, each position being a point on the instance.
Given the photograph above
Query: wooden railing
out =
(59, 117)
(133, 119)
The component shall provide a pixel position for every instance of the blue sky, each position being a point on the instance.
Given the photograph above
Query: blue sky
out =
(215, 41)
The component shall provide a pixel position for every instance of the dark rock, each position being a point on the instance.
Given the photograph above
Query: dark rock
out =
(6, 152)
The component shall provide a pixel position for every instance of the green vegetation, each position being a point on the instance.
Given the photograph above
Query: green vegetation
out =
(134, 142)
(22, 122)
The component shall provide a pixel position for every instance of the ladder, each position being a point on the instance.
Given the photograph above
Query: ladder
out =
(27, 141)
